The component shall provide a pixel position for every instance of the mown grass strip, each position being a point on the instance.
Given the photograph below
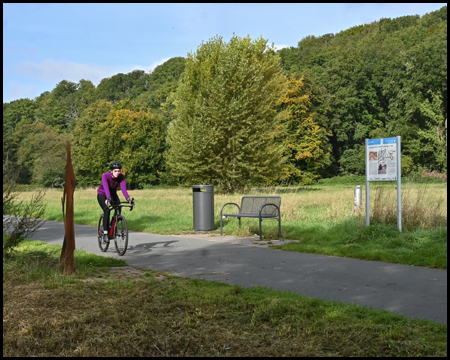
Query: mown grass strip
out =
(89, 314)
(350, 238)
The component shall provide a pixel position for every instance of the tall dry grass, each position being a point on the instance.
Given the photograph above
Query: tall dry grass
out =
(423, 205)
(312, 204)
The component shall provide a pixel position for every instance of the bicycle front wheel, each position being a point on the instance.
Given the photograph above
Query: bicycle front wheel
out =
(121, 235)
(101, 244)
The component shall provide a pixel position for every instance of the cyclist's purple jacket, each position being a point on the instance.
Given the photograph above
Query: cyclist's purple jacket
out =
(110, 185)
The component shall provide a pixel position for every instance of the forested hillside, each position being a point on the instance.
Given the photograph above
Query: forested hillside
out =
(383, 79)
(378, 80)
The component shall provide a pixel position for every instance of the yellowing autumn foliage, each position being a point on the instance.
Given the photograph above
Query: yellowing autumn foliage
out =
(305, 142)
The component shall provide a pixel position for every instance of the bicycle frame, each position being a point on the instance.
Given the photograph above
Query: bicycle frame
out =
(118, 230)
(117, 207)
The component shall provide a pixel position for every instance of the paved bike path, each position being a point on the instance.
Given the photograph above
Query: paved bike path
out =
(416, 292)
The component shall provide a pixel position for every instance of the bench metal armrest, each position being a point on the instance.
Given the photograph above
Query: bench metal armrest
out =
(260, 219)
(262, 207)
(221, 216)
(230, 203)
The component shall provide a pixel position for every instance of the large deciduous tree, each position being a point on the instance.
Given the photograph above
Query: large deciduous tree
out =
(123, 132)
(41, 154)
(223, 132)
(15, 114)
(306, 142)
(137, 139)
(88, 153)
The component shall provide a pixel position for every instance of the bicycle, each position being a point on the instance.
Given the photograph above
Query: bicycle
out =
(118, 230)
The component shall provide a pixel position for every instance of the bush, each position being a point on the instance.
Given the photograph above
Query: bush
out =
(423, 176)
(20, 219)
(352, 161)
(344, 180)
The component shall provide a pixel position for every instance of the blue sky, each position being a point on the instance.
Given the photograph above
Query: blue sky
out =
(46, 43)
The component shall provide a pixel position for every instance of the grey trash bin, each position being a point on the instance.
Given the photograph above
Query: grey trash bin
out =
(203, 197)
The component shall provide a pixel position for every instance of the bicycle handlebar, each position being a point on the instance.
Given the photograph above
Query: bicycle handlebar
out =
(113, 205)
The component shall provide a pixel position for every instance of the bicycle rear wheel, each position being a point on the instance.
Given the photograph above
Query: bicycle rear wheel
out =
(101, 244)
(121, 235)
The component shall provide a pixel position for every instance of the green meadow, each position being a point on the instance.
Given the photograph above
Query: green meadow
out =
(321, 218)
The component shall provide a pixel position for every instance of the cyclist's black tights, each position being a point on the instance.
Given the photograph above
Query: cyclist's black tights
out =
(101, 201)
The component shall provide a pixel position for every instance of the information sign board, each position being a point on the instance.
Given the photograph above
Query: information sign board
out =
(381, 159)
(384, 163)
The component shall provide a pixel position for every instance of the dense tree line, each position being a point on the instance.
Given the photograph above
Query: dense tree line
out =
(382, 79)
(121, 118)
(208, 117)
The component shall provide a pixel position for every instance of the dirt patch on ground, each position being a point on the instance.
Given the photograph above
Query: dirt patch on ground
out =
(124, 272)
(248, 241)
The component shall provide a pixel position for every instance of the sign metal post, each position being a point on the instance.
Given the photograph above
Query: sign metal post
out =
(383, 163)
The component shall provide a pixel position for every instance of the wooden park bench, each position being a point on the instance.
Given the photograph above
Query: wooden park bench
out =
(261, 207)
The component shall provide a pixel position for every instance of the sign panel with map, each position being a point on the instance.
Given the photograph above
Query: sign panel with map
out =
(381, 159)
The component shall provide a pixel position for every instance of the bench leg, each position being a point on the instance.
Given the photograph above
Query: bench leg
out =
(279, 229)
(260, 229)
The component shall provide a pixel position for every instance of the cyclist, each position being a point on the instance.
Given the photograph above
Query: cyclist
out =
(107, 192)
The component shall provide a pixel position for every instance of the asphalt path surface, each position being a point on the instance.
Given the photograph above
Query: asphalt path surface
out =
(416, 292)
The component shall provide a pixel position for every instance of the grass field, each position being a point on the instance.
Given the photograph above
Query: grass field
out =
(96, 312)
(321, 218)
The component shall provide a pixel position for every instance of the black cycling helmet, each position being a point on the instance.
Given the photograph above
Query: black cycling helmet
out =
(115, 165)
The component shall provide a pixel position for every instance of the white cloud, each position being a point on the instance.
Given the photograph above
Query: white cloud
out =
(37, 77)
(56, 71)
(17, 90)
(20, 50)
(157, 63)
(279, 47)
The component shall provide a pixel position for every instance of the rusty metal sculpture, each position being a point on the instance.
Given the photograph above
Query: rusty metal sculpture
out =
(69, 226)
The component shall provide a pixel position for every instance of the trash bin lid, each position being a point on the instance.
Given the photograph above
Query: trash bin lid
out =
(206, 188)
